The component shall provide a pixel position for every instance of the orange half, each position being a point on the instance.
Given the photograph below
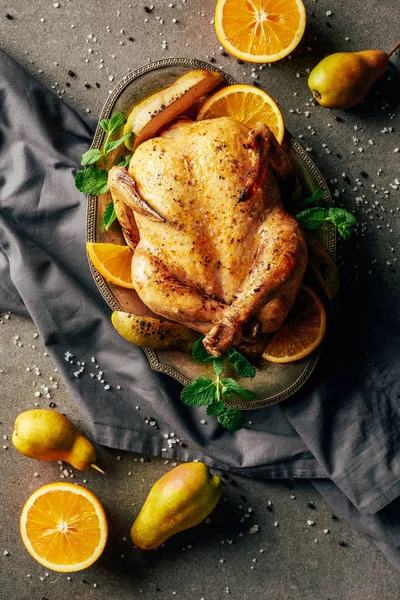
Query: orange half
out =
(64, 527)
(260, 31)
(113, 262)
(246, 104)
(301, 332)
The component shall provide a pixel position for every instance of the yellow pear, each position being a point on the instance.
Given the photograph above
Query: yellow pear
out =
(343, 79)
(164, 106)
(148, 332)
(179, 500)
(48, 435)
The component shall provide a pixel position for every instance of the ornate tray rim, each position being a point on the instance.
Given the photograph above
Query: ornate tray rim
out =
(101, 283)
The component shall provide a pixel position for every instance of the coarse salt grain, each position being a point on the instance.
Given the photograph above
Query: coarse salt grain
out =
(254, 529)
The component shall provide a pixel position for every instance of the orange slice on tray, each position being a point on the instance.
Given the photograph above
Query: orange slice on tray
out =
(113, 262)
(246, 104)
(64, 527)
(260, 31)
(302, 331)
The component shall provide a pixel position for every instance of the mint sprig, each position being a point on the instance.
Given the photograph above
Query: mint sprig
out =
(231, 386)
(241, 364)
(201, 392)
(312, 218)
(316, 197)
(211, 393)
(231, 419)
(200, 354)
(109, 215)
(91, 156)
(126, 161)
(93, 181)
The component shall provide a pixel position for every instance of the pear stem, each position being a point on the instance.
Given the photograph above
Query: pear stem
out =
(397, 46)
(96, 468)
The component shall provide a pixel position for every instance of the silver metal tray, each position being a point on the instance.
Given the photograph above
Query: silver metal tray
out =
(273, 382)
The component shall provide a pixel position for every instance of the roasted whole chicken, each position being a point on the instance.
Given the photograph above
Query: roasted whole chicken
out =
(214, 249)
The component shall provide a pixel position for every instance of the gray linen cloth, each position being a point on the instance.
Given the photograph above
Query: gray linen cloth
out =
(342, 428)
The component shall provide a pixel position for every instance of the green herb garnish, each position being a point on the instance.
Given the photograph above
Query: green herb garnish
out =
(312, 218)
(91, 156)
(316, 197)
(241, 364)
(211, 393)
(126, 161)
(201, 392)
(232, 419)
(109, 215)
(93, 181)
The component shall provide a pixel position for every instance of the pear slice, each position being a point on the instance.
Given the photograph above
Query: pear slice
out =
(148, 332)
(323, 267)
(156, 111)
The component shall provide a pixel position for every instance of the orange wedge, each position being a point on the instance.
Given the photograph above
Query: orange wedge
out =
(246, 104)
(64, 527)
(113, 262)
(260, 31)
(302, 331)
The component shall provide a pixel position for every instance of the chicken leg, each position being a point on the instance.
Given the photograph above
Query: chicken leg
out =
(281, 255)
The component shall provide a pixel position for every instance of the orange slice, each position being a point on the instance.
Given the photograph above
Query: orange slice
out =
(64, 527)
(113, 262)
(246, 104)
(302, 331)
(260, 31)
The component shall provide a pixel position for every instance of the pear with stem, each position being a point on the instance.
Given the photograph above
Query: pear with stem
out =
(48, 435)
(343, 79)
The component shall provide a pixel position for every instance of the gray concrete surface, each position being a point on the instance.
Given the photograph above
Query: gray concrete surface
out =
(298, 561)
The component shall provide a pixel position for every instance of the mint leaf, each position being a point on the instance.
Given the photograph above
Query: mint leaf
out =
(199, 393)
(241, 364)
(199, 353)
(90, 157)
(109, 215)
(230, 386)
(126, 161)
(345, 231)
(232, 419)
(218, 364)
(312, 218)
(105, 124)
(110, 125)
(92, 181)
(343, 220)
(215, 408)
(316, 197)
(116, 121)
(115, 143)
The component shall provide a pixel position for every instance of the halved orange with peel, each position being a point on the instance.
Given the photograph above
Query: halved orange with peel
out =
(260, 31)
(246, 104)
(112, 261)
(64, 527)
(302, 331)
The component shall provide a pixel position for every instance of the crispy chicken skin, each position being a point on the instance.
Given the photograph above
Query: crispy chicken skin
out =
(215, 249)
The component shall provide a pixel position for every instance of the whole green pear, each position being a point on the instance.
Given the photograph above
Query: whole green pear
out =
(343, 79)
(48, 435)
(179, 500)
